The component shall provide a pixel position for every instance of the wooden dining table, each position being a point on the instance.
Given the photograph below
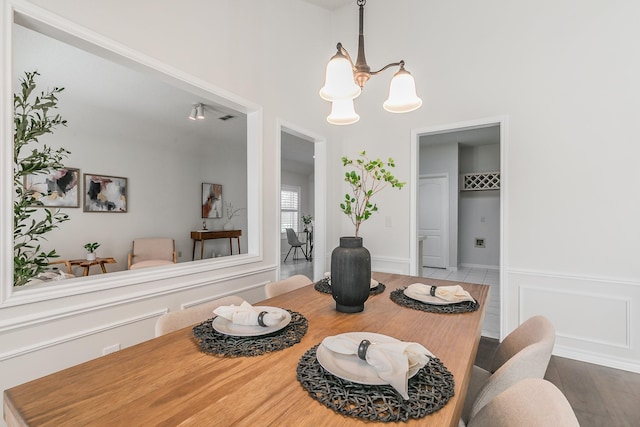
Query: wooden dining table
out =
(169, 381)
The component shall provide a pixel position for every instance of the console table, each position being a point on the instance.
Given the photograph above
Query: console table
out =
(203, 235)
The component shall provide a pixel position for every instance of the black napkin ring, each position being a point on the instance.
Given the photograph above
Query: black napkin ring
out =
(362, 349)
(433, 291)
(261, 319)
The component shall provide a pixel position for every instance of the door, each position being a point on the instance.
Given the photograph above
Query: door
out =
(434, 220)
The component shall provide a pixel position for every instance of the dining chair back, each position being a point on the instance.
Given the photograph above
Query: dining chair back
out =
(295, 244)
(152, 252)
(294, 282)
(524, 353)
(533, 402)
(174, 320)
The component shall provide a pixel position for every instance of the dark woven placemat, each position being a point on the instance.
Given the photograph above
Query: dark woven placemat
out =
(429, 390)
(217, 344)
(323, 286)
(400, 298)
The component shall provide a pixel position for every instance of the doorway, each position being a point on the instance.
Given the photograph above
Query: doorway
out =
(472, 150)
(302, 201)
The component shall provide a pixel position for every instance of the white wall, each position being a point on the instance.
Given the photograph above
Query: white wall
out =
(479, 210)
(562, 75)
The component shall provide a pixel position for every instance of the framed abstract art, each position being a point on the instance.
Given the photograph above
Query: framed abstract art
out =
(58, 189)
(211, 200)
(103, 193)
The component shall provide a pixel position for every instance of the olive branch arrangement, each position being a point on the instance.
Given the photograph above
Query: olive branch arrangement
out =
(367, 178)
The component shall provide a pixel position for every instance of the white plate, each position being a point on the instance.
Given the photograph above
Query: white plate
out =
(428, 299)
(351, 367)
(227, 327)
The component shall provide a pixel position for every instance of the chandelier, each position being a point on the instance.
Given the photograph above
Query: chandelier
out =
(344, 81)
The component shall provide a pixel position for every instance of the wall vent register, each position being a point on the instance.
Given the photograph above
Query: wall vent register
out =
(481, 181)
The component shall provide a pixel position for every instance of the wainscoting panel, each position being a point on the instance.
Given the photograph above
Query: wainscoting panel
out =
(595, 319)
(390, 265)
(600, 319)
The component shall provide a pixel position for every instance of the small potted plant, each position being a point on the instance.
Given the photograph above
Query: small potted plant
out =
(91, 250)
(306, 220)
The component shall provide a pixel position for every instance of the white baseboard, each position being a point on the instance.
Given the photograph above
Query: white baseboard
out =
(480, 266)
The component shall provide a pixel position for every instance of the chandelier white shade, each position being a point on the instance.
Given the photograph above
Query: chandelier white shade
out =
(339, 83)
(344, 81)
(342, 112)
(402, 93)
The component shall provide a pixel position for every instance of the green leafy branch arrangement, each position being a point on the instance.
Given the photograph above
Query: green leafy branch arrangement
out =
(32, 119)
(367, 178)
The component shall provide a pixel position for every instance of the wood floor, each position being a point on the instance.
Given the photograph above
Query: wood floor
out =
(599, 396)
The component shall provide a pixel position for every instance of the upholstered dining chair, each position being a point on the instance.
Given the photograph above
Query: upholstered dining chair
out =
(174, 320)
(524, 353)
(152, 252)
(283, 286)
(295, 243)
(532, 402)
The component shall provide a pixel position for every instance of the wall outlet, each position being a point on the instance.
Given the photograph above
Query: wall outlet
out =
(479, 242)
(110, 349)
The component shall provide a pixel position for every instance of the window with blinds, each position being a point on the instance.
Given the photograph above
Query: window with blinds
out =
(289, 208)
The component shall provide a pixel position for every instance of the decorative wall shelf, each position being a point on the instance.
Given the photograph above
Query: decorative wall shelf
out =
(480, 181)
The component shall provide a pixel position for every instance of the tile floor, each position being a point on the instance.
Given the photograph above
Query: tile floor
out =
(485, 276)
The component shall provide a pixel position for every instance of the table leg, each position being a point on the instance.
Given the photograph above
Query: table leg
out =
(230, 246)
(193, 253)
(238, 239)
(202, 249)
(86, 271)
(104, 269)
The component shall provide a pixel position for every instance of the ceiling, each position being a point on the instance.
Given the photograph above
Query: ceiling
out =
(331, 4)
(92, 80)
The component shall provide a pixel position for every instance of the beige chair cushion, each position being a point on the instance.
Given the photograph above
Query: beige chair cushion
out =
(532, 402)
(524, 353)
(175, 320)
(292, 283)
(150, 263)
(160, 250)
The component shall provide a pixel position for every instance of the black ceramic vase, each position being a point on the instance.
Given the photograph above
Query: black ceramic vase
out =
(350, 275)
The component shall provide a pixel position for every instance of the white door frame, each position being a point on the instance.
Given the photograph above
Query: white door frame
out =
(445, 226)
(501, 121)
(320, 193)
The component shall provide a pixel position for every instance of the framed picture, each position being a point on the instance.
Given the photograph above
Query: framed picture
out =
(211, 200)
(103, 193)
(57, 189)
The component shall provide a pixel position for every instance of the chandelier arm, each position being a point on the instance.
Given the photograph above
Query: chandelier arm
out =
(344, 51)
(393, 64)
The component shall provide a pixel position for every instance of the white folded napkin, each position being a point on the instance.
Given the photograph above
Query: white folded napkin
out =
(390, 360)
(452, 294)
(246, 314)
